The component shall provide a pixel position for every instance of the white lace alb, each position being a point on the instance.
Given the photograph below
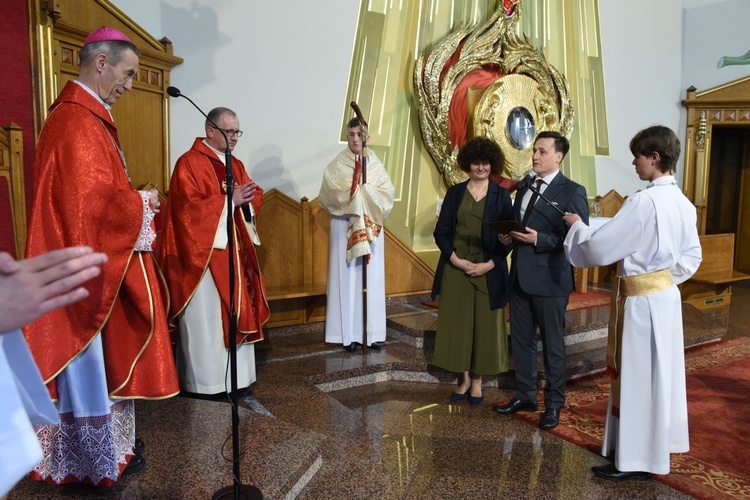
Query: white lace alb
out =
(88, 449)
(147, 236)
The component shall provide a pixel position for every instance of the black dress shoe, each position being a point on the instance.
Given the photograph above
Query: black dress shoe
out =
(375, 346)
(550, 419)
(516, 405)
(137, 462)
(351, 347)
(610, 472)
(140, 446)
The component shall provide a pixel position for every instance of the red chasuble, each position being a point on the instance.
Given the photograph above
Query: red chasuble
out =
(196, 203)
(82, 196)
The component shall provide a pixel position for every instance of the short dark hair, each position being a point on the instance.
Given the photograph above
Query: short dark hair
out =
(215, 115)
(479, 150)
(561, 142)
(354, 122)
(657, 139)
(114, 50)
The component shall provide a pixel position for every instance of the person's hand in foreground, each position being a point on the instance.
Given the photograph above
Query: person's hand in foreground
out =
(35, 286)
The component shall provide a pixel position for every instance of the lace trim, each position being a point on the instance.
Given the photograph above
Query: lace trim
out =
(87, 449)
(147, 236)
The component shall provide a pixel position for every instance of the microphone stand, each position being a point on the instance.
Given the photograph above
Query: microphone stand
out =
(238, 490)
(363, 131)
(535, 190)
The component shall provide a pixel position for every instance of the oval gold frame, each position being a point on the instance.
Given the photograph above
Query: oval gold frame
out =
(530, 81)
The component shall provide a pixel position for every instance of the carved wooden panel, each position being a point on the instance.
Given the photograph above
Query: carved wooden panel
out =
(610, 203)
(727, 104)
(281, 249)
(320, 233)
(11, 169)
(721, 106)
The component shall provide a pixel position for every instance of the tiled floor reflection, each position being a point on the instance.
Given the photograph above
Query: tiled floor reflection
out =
(326, 424)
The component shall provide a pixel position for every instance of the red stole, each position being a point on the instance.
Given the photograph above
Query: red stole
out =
(357, 174)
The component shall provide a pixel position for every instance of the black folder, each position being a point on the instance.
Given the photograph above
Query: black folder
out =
(503, 226)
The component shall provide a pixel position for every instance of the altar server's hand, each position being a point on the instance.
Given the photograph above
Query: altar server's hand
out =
(570, 219)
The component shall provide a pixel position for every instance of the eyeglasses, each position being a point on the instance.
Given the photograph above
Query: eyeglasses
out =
(230, 133)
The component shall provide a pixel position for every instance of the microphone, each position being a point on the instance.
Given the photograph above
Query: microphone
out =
(526, 180)
(248, 491)
(175, 92)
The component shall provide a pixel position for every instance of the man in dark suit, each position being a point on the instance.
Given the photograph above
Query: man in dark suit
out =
(541, 279)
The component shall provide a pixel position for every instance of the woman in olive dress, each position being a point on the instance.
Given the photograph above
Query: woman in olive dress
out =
(472, 275)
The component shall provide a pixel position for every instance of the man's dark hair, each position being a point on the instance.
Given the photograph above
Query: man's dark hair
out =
(480, 150)
(354, 122)
(561, 142)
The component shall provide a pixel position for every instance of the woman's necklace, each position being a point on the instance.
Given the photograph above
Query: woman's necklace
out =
(477, 191)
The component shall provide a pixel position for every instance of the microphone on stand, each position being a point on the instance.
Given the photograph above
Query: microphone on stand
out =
(175, 92)
(527, 179)
(530, 175)
(237, 490)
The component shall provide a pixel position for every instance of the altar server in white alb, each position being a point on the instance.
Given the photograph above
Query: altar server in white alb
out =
(358, 211)
(30, 288)
(655, 240)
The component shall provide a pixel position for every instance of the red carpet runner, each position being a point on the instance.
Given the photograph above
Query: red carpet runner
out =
(718, 391)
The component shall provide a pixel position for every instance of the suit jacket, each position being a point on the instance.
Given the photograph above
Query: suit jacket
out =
(497, 207)
(542, 269)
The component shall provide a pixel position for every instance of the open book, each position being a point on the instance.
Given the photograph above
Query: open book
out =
(503, 226)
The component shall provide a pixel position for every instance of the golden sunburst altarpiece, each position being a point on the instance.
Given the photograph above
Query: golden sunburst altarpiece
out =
(528, 96)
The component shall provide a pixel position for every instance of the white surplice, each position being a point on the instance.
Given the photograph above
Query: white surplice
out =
(361, 213)
(655, 229)
(23, 400)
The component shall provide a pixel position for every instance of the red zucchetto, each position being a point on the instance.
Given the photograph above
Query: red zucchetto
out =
(106, 33)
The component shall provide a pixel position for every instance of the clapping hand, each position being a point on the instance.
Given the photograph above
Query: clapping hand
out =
(35, 286)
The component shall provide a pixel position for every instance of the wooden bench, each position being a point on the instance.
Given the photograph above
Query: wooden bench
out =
(295, 291)
(711, 285)
(294, 259)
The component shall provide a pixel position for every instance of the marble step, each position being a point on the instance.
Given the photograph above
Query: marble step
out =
(407, 353)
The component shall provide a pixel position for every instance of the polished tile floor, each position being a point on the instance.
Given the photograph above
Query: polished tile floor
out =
(324, 423)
